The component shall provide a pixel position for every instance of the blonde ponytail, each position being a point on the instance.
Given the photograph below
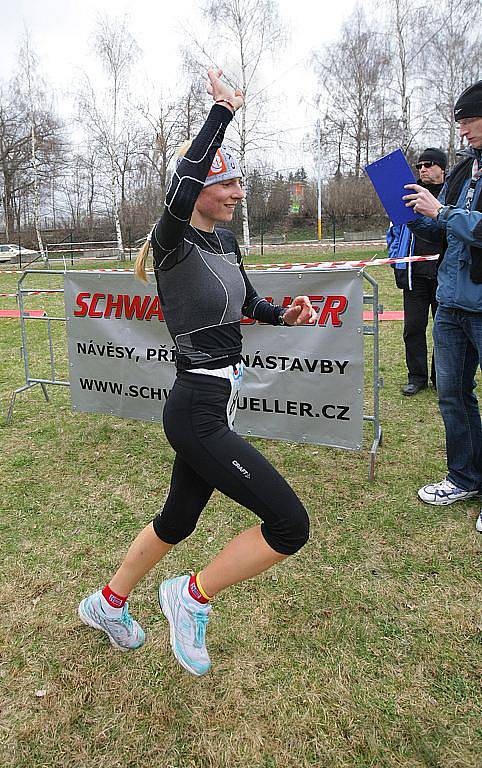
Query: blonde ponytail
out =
(140, 265)
(183, 148)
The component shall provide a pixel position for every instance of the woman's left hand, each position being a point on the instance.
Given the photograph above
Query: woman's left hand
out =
(422, 201)
(300, 312)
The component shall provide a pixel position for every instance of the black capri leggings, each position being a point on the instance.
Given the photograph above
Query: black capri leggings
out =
(209, 455)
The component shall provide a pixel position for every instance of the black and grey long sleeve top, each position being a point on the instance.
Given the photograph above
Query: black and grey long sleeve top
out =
(202, 285)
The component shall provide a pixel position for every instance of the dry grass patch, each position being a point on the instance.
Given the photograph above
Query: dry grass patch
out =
(362, 651)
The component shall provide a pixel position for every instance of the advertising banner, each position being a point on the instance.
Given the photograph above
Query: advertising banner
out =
(302, 384)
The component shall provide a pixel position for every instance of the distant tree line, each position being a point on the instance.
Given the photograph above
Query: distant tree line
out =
(388, 80)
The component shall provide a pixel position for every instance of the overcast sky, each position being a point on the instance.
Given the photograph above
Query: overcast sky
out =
(61, 32)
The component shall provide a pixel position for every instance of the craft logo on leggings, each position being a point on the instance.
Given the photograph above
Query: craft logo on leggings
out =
(241, 469)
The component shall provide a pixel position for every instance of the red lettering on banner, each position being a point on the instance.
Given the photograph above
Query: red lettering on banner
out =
(334, 307)
(93, 305)
(122, 305)
(146, 307)
(112, 302)
(84, 307)
(314, 299)
(133, 306)
(154, 309)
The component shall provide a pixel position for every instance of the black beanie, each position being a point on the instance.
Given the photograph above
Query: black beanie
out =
(435, 155)
(469, 103)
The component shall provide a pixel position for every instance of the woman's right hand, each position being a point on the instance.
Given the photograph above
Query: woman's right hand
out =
(221, 91)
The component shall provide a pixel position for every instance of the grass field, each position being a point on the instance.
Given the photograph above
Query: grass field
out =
(361, 651)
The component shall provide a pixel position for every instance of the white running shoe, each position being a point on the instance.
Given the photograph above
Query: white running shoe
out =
(124, 633)
(478, 523)
(444, 493)
(187, 626)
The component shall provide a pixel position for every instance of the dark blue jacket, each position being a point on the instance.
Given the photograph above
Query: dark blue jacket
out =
(401, 243)
(463, 229)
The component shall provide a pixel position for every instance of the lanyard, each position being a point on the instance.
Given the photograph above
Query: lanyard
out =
(476, 174)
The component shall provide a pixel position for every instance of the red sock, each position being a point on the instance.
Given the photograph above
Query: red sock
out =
(196, 591)
(114, 600)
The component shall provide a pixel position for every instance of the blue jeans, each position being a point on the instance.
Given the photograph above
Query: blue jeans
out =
(457, 337)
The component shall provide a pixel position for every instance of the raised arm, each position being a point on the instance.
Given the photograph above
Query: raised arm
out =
(190, 175)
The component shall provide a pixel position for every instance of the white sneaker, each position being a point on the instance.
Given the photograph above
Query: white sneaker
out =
(478, 523)
(187, 626)
(124, 633)
(444, 493)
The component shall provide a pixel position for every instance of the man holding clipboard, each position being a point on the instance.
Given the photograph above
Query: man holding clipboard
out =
(454, 223)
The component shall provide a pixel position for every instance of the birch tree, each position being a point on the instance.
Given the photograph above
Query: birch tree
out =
(453, 61)
(169, 120)
(29, 75)
(242, 35)
(412, 28)
(352, 72)
(107, 112)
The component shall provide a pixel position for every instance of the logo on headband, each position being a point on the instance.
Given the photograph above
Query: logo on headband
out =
(218, 166)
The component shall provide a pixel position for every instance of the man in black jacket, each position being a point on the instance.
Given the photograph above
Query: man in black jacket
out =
(418, 279)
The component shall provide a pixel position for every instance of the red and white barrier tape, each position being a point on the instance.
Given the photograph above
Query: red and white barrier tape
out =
(21, 271)
(67, 250)
(341, 264)
(285, 266)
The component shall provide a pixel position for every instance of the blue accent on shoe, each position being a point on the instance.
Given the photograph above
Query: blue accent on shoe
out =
(443, 493)
(187, 627)
(200, 630)
(124, 633)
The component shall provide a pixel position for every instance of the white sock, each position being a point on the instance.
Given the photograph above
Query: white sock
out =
(110, 610)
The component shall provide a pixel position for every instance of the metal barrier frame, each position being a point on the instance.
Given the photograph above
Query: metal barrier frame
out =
(32, 381)
(374, 330)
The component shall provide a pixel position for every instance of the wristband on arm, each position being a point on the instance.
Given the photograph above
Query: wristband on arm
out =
(225, 101)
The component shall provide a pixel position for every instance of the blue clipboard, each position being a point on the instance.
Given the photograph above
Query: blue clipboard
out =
(389, 175)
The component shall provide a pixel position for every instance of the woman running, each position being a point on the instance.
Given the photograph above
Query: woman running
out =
(204, 291)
